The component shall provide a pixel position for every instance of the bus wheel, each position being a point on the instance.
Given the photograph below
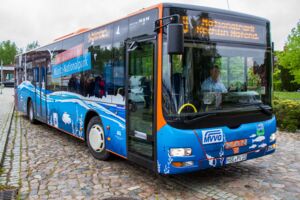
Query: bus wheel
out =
(96, 139)
(30, 113)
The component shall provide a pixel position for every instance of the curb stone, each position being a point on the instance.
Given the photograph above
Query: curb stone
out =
(4, 139)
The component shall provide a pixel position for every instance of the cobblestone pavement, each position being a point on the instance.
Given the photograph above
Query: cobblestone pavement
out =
(48, 164)
(56, 165)
(12, 159)
(276, 176)
(6, 110)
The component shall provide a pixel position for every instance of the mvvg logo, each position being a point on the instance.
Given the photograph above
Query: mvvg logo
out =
(212, 136)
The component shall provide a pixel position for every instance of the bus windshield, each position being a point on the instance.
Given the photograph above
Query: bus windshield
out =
(211, 78)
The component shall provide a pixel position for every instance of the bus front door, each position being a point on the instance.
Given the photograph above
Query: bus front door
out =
(140, 104)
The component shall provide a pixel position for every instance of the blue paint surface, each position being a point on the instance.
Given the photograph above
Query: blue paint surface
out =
(75, 65)
(211, 154)
(67, 111)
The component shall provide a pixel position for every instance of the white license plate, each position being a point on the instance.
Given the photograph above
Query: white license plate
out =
(237, 158)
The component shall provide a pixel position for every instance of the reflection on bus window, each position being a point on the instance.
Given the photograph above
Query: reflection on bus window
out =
(220, 78)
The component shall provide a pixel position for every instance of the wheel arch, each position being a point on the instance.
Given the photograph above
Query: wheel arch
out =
(89, 115)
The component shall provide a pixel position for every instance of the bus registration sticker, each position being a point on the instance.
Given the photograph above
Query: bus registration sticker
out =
(237, 158)
(212, 136)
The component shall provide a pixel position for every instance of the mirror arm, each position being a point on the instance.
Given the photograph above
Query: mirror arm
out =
(171, 18)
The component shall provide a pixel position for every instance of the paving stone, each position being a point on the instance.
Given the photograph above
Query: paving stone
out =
(134, 188)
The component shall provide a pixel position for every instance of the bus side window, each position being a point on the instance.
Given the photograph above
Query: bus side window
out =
(120, 35)
(53, 82)
(72, 53)
(119, 70)
(98, 81)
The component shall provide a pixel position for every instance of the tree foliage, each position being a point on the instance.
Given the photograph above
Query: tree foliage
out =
(277, 82)
(32, 45)
(8, 51)
(290, 57)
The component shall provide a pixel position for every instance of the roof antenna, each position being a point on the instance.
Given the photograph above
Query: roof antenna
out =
(228, 4)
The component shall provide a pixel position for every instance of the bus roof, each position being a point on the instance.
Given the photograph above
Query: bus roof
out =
(164, 5)
(84, 30)
(214, 10)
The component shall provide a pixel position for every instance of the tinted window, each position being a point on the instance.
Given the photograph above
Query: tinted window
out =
(120, 35)
(73, 62)
(98, 82)
(53, 82)
(142, 24)
(29, 67)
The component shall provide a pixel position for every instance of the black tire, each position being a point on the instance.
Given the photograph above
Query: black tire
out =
(30, 112)
(95, 125)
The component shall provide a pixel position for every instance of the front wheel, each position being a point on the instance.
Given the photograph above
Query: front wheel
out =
(30, 113)
(95, 139)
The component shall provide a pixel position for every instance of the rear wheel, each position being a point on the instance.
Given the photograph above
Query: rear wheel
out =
(30, 112)
(95, 139)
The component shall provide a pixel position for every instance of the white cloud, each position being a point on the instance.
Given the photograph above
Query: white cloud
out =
(44, 20)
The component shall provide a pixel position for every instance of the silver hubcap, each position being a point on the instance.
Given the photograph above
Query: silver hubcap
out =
(96, 138)
(31, 112)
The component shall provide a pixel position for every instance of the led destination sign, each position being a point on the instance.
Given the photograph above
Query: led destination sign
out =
(210, 28)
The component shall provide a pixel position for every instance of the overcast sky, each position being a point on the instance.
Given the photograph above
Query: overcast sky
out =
(24, 21)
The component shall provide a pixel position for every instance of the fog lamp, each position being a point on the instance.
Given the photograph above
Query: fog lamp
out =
(273, 137)
(180, 151)
(272, 147)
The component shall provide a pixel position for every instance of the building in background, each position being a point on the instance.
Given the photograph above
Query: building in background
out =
(7, 75)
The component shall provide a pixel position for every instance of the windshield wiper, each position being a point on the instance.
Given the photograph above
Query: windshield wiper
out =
(264, 110)
(191, 118)
(259, 105)
(198, 117)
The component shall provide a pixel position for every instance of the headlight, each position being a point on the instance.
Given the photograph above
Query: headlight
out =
(273, 137)
(180, 152)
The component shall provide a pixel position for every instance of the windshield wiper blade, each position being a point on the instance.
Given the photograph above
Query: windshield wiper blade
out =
(259, 105)
(198, 117)
(264, 110)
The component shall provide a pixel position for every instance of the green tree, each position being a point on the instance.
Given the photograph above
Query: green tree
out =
(277, 82)
(290, 57)
(32, 45)
(8, 51)
(288, 82)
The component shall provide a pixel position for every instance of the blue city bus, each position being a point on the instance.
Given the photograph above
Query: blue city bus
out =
(176, 88)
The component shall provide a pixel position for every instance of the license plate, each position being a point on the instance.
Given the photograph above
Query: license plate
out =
(237, 158)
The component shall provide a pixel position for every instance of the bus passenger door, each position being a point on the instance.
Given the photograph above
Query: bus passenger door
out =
(40, 93)
(140, 85)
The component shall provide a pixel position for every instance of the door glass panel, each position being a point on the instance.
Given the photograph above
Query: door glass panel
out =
(140, 99)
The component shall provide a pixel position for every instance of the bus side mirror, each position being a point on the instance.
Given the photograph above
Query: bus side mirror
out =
(175, 38)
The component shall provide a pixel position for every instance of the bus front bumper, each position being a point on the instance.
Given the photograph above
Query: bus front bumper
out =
(194, 152)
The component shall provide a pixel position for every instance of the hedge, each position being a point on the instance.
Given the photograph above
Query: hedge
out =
(287, 113)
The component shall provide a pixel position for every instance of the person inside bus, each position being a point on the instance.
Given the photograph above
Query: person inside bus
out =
(99, 87)
(89, 85)
(73, 84)
(212, 89)
(213, 83)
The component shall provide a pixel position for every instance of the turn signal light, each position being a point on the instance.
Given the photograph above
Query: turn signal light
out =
(177, 164)
(183, 164)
